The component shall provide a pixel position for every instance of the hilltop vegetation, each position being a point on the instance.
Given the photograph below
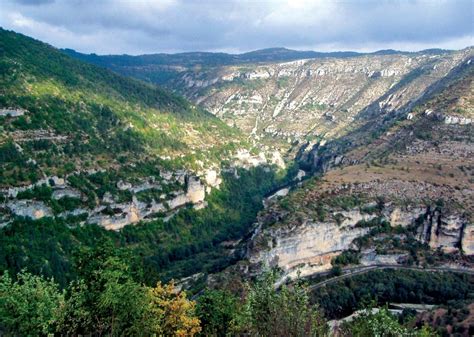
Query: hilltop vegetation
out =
(106, 300)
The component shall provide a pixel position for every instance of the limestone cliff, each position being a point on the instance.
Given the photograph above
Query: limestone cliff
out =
(308, 247)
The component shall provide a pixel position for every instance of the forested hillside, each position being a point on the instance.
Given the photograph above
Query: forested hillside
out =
(83, 150)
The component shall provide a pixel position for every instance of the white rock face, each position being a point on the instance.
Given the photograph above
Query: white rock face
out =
(57, 182)
(277, 160)
(31, 209)
(308, 248)
(300, 175)
(399, 217)
(457, 120)
(294, 98)
(446, 235)
(66, 192)
(196, 191)
(178, 201)
(212, 178)
(126, 213)
(280, 193)
(446, 232)
(246, 160)
(12, 112)
(121, 185)
(468, 239)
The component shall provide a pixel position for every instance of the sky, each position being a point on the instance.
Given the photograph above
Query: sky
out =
(145, 26)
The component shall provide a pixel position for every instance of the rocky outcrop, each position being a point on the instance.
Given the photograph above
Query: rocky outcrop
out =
(196, 191)
(12, 112)
(467, 241)
(30, 209)
(66, 192)
(290, 100)
(457, 120)
(245, 159)
(403, 217)
(109, 213)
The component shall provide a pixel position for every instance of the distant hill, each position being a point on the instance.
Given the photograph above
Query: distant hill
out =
(204, 58)
(190, 59)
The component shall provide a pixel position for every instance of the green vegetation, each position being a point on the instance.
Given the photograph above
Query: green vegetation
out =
(345, 258)
(105, 300)
(283, 313)
(400, 286)
(381, 323)
(83, 118)
(28, 306)
(218, 311)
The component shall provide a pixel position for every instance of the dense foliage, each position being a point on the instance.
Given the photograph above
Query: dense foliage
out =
(400, 286)
(380, 323)
(105, 300)
(286, 312)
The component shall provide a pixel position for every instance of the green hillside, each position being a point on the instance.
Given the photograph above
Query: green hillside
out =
(79, 116)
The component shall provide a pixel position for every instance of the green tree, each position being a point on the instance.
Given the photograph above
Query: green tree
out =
(217, 310)
(287, 312)
(30, 305)
(106, 299)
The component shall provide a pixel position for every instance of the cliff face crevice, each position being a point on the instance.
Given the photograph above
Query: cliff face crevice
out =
(445, 231)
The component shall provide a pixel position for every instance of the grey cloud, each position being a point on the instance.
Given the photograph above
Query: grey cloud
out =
(141, 26)
(34, 2)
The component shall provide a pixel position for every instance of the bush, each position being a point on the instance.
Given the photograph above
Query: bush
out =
(346, 257)
(30, 305)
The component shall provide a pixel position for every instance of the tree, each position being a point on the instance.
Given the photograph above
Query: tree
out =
(217, 310)
(287, 312)
(28, 306)
(171, 313)
(106, 300)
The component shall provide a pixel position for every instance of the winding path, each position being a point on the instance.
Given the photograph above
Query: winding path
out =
(365, 269)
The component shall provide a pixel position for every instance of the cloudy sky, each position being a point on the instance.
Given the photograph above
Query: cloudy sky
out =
(150, 26)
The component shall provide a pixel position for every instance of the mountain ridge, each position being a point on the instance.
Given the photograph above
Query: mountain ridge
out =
(273, 54)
